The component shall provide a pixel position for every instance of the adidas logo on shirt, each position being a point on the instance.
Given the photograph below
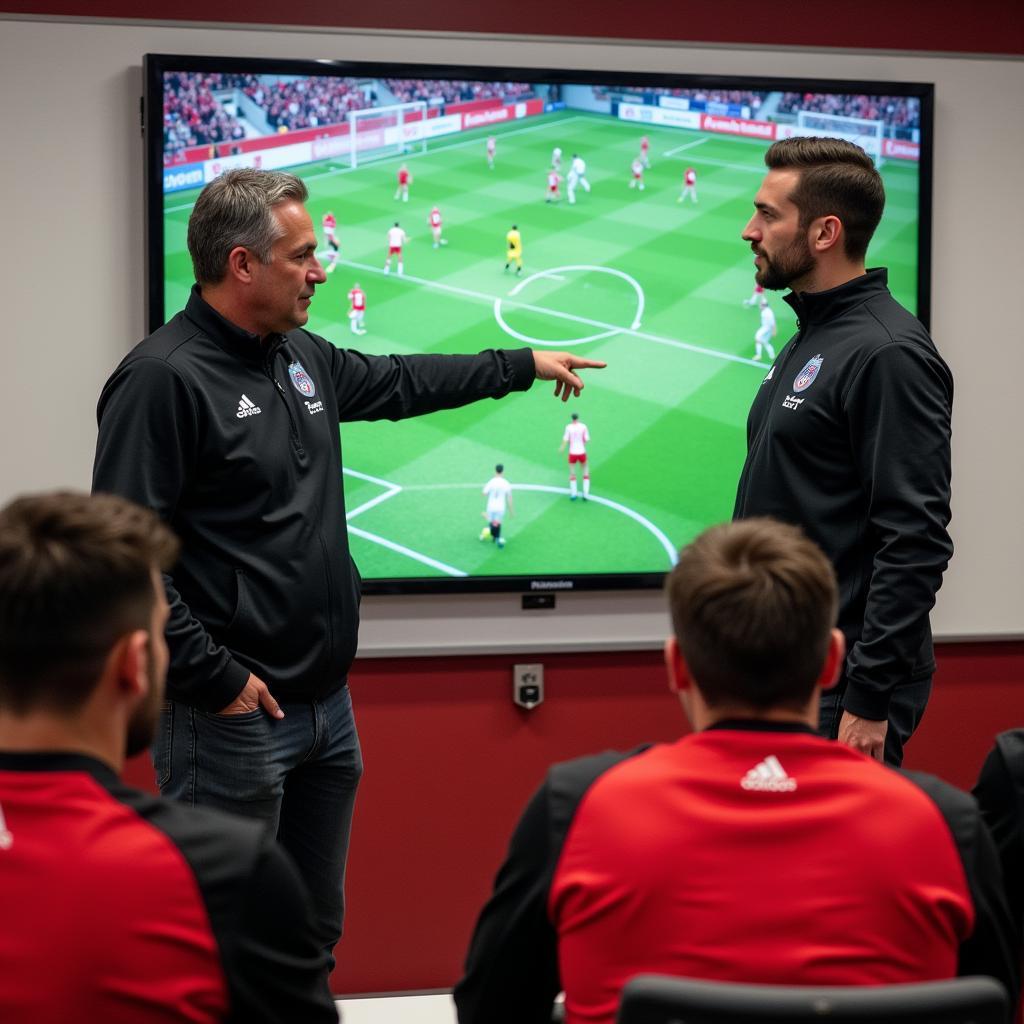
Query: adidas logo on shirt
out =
(769, 776)
(247, 407)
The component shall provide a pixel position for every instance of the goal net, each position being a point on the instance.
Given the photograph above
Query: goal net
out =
(386, 131)
(861, 131)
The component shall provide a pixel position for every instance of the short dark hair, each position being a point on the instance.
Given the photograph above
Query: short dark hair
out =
(235, 209)
(76, 575)
(753, 604)
(499, 468)
(836, 178)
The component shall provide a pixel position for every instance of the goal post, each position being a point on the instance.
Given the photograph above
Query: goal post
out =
(387, 131)
(861, 131)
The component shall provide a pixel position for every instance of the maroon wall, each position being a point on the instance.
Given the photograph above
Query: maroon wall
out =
(987, 26)
(450, 762)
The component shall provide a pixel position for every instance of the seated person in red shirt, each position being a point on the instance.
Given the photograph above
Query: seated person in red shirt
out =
(119, 906)
(752, 850)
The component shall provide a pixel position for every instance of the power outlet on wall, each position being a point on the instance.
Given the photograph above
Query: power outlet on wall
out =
(527, 685)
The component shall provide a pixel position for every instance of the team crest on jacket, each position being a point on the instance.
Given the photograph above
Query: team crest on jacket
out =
(805, 378)
(302, 380)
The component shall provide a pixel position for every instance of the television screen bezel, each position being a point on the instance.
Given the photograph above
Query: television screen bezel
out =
(156, 65)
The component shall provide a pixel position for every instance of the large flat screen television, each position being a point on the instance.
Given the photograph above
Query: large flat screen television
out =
(622, 262)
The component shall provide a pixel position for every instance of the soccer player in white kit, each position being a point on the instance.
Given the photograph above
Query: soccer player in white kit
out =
(356, 309)
(498, 492)
(766, 331)
(576, 436)
(396, 238)
(434, 220)
(689, 185)
(492, 146)
(556, 157)
(637, 168)
(645, 151)
(577, 176)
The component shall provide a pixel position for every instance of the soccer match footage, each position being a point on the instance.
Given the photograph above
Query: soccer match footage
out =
(454, 216)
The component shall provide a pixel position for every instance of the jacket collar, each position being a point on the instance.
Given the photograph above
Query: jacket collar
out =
(819, 307)
(760, 725)
(57, 761)
(228, 336)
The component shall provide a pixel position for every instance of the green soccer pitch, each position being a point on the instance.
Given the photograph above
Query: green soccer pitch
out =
(653, 286)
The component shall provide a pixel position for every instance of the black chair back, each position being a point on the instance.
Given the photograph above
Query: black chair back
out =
(656, 999)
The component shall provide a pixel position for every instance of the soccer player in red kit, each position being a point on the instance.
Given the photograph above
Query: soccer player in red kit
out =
(435, 226)
(356, 309)
(330, 228)
(404, 181)
(689, 185)
(492, 146)
(554, 181)
(755, 297)
(645, 146)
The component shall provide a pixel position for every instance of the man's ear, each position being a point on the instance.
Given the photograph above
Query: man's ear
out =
(240, 264)
(833, 664)
(129, 661)
(679, 678)
(825, 233)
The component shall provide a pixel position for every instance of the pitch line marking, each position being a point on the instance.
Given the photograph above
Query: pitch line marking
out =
(390, 491)
(408, 552)
(658, 534)
(544, 311)
(688, 145)
(554, 273)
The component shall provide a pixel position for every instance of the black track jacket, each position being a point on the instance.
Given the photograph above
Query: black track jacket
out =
(124, 908)
(236, 445)
(849, 437)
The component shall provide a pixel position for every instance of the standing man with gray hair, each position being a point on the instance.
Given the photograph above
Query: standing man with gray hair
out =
(225, 422)
(849, 433)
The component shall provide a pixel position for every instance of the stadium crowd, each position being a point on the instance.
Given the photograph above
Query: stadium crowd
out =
(901, 113)
(306, 102)
(405, 90)
(193, 115)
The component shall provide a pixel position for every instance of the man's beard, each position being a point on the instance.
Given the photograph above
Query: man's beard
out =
(142, 724)
(786, 266)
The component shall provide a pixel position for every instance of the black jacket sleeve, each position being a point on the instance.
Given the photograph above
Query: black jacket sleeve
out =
(146, 450)
(511, 972)
(899, 410)
(396, 387)
(274, 969)
(1000, 794)
(992, 947)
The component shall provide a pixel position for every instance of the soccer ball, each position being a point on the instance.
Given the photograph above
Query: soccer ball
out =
(485, 533)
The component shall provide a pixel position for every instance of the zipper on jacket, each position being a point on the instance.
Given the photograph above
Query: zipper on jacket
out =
(758, 441)
(268, 369)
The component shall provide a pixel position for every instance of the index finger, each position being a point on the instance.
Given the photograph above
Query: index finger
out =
(579, 363)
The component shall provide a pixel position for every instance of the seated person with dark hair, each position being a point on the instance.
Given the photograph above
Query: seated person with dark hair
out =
(752, 850)
(120, 907)
(1000, 794)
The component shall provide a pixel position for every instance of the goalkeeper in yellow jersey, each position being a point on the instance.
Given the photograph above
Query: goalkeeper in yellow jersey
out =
(514, 241)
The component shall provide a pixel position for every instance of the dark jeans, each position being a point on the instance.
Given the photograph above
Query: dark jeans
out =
(905, 711)
(299, 772)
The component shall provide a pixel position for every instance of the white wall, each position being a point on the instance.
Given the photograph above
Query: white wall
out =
(71, 181)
